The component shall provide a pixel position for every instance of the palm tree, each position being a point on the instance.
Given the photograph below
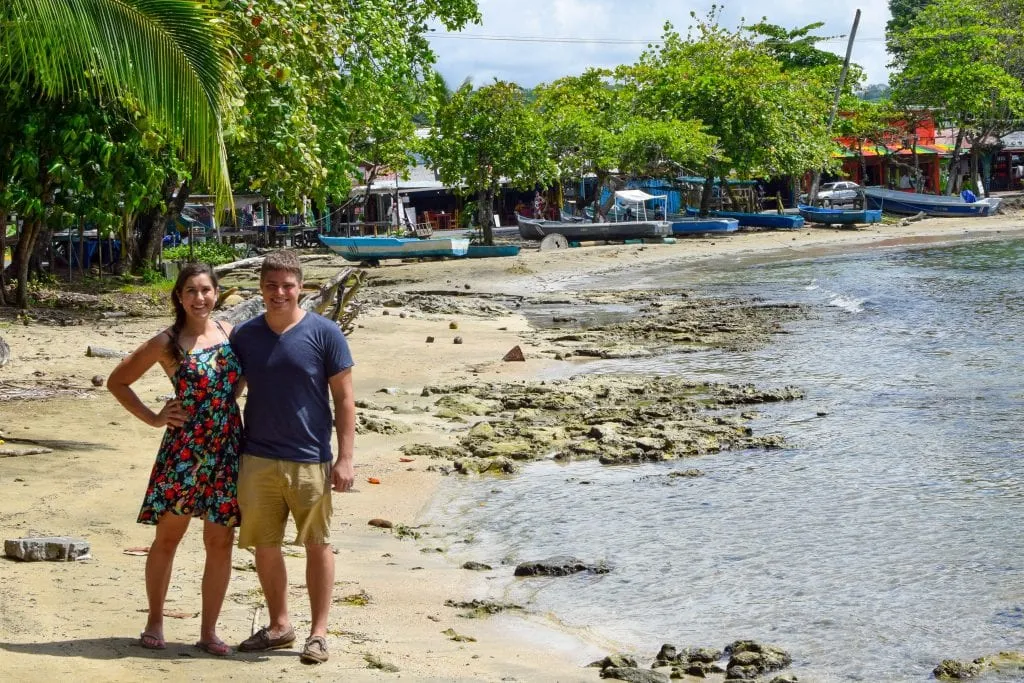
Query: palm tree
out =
(171, 56)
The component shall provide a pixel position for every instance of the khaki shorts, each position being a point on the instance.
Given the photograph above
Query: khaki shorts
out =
(268, 489)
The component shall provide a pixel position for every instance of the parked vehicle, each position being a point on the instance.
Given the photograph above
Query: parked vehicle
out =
(839, 193)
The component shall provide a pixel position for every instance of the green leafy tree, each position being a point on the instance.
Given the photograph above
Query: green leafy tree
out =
(770, 120)
(960, 61)
(484, 137)
(590, 126)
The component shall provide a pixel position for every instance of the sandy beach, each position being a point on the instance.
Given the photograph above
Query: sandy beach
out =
(390, 620)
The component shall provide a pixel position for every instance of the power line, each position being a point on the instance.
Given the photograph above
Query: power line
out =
(592, 41)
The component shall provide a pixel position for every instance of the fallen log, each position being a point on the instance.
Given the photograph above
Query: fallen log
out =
(100, 352)
(333, 300)
(224, 268)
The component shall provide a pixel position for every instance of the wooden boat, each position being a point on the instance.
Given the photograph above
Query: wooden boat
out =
(816, 214)
(538, 229)
(910, 203)
(380, 248)
(489, 251)
(692, 225)
(777, 221)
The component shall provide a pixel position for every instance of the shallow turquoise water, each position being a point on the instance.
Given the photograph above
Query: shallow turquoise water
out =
(886, 539)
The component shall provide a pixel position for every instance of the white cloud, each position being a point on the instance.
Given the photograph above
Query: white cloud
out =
(530, 63)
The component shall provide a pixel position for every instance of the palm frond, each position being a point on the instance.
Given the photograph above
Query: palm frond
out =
(170, 55)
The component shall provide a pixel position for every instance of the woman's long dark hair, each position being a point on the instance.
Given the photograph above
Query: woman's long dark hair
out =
(189, 270)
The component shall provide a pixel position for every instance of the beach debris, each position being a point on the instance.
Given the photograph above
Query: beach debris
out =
(554, 241)
(360, 599)
(108, 315)
(13, 452)
(375, 662)
(560, 565)
(476, 566)
(47, 548)
(100, 352)
(373, 480)
(453, 325)
(481, 608)
(458, 637)
(98, 380)
(407, 460)
(514, 354)
(180, 615)
(457, 340)
(430, 340)
(380, 523)
(138, 550)
(5, 352)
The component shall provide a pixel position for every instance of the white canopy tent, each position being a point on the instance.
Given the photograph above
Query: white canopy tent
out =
(636, 201)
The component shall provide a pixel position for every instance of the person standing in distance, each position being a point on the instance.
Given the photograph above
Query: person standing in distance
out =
(294, 362)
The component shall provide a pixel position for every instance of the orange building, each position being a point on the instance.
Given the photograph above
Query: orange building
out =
(890, 163)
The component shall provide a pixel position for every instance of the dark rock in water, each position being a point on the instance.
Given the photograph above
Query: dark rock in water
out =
(634, 675)
(476, 566)
(704, 655)
(1003, 663)
(785, 678)
(616, 661)
(562, 565)
(667, 653)
(749, 659)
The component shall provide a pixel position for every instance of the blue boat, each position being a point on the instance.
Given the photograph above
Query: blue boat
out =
(777, 221)
(910, 203)
(692, 225)
(380, 248)
(488, 251)
(816, 214)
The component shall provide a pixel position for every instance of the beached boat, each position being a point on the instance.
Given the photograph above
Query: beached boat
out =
(692, 225)
(380, 248)
(910, 203)
(492, 250)
(538, 229)
(816, 214)
(771, 219)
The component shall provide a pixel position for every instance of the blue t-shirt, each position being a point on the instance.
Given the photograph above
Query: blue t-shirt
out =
(288, 413)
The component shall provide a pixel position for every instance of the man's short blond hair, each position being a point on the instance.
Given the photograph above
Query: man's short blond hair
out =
(282, 259)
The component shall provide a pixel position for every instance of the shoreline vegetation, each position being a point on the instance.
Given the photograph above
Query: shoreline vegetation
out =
(73, 465)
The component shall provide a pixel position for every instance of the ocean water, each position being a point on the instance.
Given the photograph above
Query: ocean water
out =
(886, 538)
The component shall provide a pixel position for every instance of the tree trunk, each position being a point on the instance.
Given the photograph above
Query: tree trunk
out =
(485, 213)
(953, 184)
(3, 253)
(705, 194)
(23, 258)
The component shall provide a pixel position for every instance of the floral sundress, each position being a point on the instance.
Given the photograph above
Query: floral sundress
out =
(196, 469)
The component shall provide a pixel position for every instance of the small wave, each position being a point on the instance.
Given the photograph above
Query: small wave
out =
(849, 304)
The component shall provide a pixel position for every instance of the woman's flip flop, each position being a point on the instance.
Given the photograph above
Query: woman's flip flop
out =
(151, 641)
(217, 649)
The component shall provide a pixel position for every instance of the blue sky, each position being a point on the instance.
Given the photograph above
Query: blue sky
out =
(485, 52)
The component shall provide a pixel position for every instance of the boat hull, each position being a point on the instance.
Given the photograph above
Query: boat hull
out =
(776, 221)
(536, 229)
(815, 214)
(700, 226)
(381, 248)
(909, 203)
(490, 251)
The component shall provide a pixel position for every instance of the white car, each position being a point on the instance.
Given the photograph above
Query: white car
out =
(839, 193)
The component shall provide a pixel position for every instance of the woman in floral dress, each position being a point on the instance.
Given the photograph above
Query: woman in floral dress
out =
(196, 469)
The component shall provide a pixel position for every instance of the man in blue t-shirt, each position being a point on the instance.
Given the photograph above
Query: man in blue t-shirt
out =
(292, 360)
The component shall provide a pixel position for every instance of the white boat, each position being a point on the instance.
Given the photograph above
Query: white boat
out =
(380, 248)
(910, 203)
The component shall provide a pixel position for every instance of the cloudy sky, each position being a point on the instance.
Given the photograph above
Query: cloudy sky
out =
(518, 39)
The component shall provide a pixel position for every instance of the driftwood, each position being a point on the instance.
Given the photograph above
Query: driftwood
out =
(920, 215)
(15, 452)
(334, 300)
(100, 352)
(223, 268)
